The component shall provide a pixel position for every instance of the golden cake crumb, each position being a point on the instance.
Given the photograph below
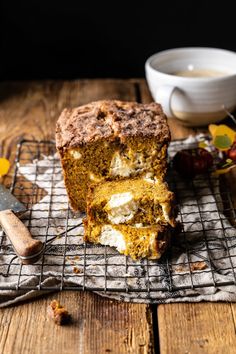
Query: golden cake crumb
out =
(58, 313)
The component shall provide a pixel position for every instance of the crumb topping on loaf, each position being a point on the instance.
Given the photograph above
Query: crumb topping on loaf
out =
(110, 120)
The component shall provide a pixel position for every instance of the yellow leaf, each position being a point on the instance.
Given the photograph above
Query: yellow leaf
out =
(4, 166)
(202, 144)
(212, 129)
(222, 129)
(229, 160)
(225, 130)
(222, 136)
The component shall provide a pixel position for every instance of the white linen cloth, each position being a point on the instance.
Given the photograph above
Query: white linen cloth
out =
(203, 253)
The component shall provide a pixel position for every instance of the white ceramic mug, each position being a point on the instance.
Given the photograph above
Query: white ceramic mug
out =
(193, 100)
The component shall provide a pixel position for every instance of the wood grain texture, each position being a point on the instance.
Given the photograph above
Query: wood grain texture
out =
(98, 326)
(197, 328)
(30, 110)
(233, 310)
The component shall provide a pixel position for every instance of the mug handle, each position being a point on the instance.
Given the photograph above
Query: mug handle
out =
(163, 95)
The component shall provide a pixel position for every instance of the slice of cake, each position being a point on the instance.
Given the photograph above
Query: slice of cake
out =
(134, 241)
(145, 201)
(108, 140)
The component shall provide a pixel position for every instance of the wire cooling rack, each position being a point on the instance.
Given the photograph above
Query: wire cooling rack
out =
(203, 254)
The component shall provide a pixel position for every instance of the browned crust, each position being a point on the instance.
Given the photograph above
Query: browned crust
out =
(110, 120)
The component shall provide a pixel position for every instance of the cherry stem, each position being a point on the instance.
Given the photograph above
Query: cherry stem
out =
(230, 114)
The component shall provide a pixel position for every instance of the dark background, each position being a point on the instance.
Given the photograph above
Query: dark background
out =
(73, 39)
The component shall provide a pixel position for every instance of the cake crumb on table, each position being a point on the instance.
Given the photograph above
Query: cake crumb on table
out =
(58, 313)
(200, 265)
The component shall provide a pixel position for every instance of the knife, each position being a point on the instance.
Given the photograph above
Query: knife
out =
(24, 245)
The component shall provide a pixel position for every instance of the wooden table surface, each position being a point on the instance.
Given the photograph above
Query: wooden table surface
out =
(30, 110)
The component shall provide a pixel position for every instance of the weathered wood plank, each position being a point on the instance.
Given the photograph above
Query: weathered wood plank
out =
(196, 328)
(233, 310)
(99, 326)
(30, 110)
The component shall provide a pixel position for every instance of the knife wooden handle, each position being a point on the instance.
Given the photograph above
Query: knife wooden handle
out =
(19, 236)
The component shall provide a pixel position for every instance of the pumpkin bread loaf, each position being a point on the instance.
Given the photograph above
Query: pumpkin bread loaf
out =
(110, 140)
(114, 161)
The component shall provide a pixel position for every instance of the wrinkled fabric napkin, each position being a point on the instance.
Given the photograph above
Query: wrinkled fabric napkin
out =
(200, 265)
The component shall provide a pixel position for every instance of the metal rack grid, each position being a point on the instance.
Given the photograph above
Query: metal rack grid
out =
(202, 255)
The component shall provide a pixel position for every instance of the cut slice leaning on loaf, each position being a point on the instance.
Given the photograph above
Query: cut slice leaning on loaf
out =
(134, 241)
(136, 200)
